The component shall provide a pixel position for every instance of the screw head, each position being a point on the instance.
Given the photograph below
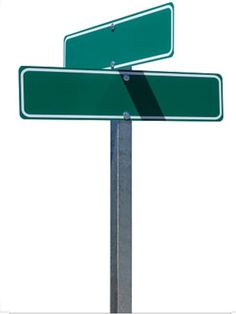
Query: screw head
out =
(113, 27)
(126, 77)
(126, 116)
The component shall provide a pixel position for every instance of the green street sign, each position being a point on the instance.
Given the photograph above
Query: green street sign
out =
(138, 38)
(59, 93)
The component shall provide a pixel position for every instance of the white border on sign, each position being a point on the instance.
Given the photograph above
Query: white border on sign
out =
(165, 55)
(121, 116)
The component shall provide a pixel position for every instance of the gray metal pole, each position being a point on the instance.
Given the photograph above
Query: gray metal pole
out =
(121, 217)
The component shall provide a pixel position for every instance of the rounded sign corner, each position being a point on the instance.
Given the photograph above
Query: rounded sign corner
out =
(23, 115)
(221, 117)
(22, 68)
(171, 6)
(66, 38)
(171, 52)
(219, 77)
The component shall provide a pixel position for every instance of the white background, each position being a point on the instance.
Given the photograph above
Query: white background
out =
(54, 175)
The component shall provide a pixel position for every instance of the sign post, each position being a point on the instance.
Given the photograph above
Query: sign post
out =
(121, 217)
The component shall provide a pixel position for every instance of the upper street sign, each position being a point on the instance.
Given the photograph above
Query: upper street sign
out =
(59, 93)
(134, 39)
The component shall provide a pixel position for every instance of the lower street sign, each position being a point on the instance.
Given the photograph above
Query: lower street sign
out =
(59, 93)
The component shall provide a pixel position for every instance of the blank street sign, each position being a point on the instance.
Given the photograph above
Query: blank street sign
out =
(59, 93)
(134, 39)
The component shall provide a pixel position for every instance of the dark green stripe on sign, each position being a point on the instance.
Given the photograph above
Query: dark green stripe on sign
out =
(59, 93)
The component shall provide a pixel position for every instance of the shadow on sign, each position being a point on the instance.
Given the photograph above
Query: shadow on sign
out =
(142, 95)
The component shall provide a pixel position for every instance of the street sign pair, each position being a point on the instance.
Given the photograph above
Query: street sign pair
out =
(95, 85)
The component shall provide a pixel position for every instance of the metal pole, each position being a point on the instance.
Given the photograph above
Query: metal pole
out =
(121, 217)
